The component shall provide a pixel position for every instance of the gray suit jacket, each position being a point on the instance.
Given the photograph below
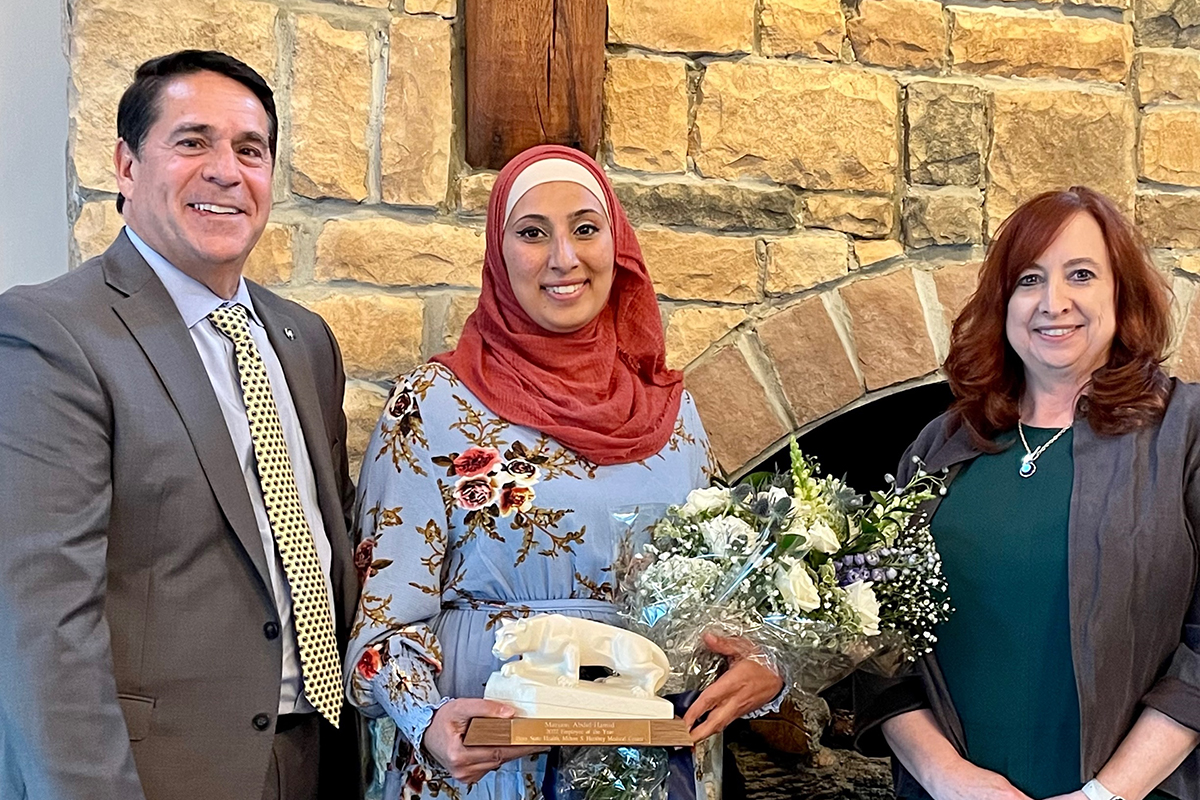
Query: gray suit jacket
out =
(137, 655)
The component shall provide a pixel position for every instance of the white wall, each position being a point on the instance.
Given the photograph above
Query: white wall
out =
(33, 142)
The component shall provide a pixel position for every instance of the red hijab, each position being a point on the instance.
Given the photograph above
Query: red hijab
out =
(604, 391)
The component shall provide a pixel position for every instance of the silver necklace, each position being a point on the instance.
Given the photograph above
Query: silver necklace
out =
(1027, 466)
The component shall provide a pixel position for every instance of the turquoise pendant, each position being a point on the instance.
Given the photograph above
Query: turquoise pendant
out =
(1027, 468)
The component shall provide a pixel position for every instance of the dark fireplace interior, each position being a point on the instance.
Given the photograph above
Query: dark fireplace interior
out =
(866, 443)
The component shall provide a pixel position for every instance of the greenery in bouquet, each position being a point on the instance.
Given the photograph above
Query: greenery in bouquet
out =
(817, 578)
(612, 773)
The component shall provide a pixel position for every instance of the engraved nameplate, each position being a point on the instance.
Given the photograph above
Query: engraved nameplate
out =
(531, 731)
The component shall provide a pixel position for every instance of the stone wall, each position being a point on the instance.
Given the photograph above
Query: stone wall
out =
(813, 180)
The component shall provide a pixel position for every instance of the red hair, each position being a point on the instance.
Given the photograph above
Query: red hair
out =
(1129, 391)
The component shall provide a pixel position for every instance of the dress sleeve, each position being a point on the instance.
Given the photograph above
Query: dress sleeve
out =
(394, 656)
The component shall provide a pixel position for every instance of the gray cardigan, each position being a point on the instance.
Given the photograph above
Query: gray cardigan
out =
(1135, 612)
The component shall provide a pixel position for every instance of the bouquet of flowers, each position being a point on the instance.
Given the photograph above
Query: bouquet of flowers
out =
(814, 577)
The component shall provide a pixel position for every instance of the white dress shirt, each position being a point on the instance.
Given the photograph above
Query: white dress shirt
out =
(195, 302)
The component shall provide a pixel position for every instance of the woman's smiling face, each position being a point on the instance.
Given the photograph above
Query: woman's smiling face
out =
(1062, 314)
(558, 250)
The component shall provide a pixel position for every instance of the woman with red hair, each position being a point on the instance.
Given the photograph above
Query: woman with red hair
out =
(488, 488)
(1071, 666)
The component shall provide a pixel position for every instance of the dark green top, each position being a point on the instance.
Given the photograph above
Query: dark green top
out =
(1006, 650)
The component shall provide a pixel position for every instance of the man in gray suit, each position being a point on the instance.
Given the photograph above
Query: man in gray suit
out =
(176, 577)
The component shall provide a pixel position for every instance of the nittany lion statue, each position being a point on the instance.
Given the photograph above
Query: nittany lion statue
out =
(552, 648)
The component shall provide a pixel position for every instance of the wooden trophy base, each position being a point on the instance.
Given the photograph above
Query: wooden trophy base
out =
(611, 732)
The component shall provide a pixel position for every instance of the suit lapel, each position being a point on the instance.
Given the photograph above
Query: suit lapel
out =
(151, 317)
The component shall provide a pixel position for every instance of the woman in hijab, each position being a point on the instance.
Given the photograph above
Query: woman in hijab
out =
(489, 483)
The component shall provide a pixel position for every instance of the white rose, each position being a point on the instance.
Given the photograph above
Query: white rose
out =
(822, 538)
(714, 499)
(862, 600)
(723, 533)
(797, 587)
(797, 527)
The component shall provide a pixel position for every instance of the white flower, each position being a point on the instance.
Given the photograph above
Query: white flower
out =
(725, 533)
(797, 587)
(862, 600)
(775, 494)
(822, 538)
(705, 501)
(683, 577)
(520, 471)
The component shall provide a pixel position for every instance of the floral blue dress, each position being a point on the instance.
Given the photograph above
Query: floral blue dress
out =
(464, 520)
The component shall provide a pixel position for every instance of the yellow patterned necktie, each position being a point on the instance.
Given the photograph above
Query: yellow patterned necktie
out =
(310, 603)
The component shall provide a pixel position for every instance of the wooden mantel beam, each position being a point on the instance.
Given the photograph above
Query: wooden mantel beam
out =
(535, 74)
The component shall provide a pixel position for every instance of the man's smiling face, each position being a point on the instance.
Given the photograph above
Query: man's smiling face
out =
(199, 190)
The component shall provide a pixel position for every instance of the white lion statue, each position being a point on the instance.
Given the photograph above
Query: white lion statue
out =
(552, 648)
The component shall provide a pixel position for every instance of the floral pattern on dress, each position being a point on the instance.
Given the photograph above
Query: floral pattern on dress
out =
(401, 427)
(488, 483)
(490, 488)
(466, 520)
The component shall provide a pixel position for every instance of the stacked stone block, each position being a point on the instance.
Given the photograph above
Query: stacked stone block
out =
(814, 181)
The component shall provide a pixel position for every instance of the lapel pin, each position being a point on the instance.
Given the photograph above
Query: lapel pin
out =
(288, 333)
